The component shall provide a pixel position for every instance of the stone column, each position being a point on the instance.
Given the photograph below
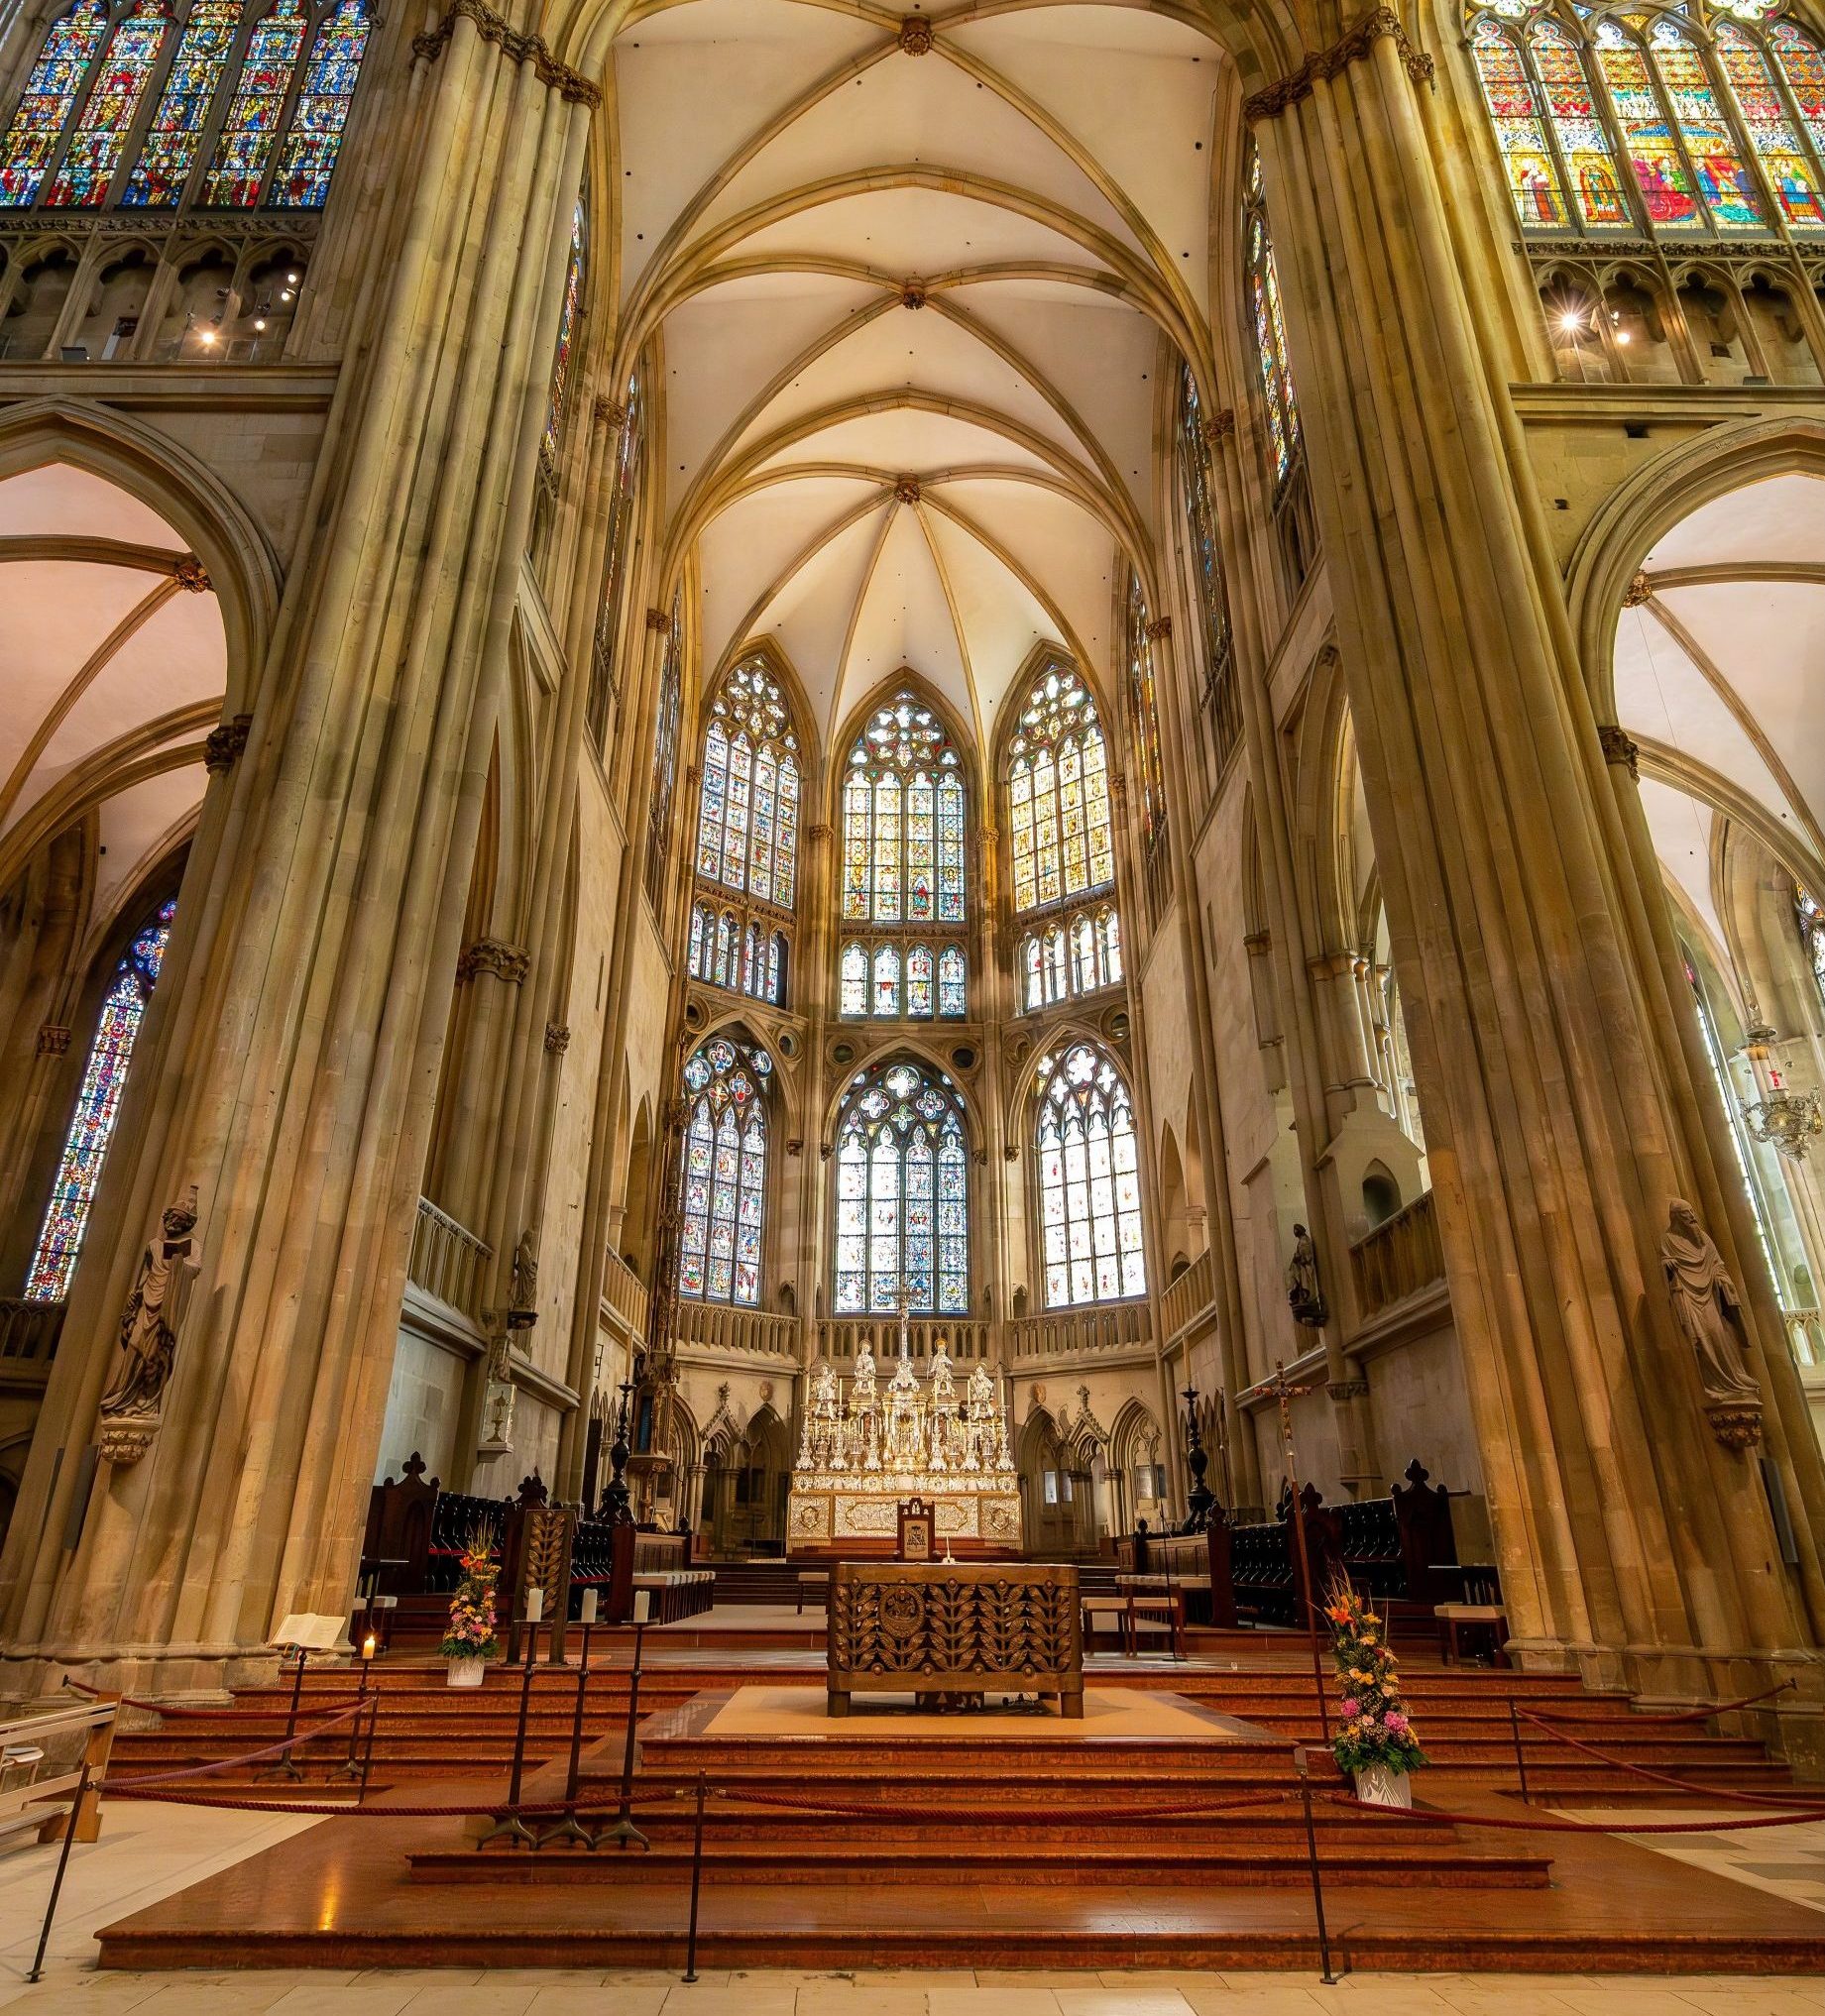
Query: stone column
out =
(301, 1069)
(1630, 1541)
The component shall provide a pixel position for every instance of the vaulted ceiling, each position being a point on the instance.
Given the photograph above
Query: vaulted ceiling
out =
(1720, 677)
(115, 667)
(909, 303)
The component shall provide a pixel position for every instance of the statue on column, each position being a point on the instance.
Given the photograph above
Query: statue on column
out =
(1709, 1315)
(522, 1293)
(1305, 1297)
(133, 1405)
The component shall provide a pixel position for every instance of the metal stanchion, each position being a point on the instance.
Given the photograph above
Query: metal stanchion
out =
(351, 1766)
(367, 1749)
(570, 1828)
(287, 1765)
(697, 1883)
(1521, 1762)
(510, 1824)
(1312, 1856)
(623, 1831)
(56, 1882)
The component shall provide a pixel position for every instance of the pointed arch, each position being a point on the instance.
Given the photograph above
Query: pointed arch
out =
(723, 1180)
(902, 1193)
(1087, 1161)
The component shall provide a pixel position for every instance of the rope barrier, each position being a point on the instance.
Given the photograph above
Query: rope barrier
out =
(1659, 1777)
(1728, 1825)
(1638, 1720)
(122, 1787)
(176, 1708)
(861, 1811)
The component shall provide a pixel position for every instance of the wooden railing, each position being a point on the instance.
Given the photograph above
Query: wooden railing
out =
(29, 1332)
(1063, 1333)
(624, 1292)
(1188, 1297)
(1398, 1259)
(733, 1329)
(966, 1339)
(448, 1261)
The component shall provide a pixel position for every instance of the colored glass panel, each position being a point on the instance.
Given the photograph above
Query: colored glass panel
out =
(854, 981)
(921, 981)
(557, 402)
(902, 1197)
(1088, 1181)
(45, 106)
(747, 816)
(164, 166)
(1771, 135)
(886, 979)
(1218, 702)
(1659, 174)
(723, 1189)
(301, 179)
(1144, 719)
(700, 919)
(1724, 180)
(1583, 140)
(953, 991)
(95, 146)
(902, 820)
(666, 752)
(1521, 134)
(1805, 69)
(250, 129)
(1269, 328)
(105, 1081)
(1059, 793)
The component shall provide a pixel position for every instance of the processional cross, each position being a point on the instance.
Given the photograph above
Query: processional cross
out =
(1285, 1393)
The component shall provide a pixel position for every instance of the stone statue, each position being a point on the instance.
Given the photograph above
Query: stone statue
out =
(1304, 1295)
(522, 1296)
(132, 1407)
(943, 1376)
(861, 1385)
(1709, 1316)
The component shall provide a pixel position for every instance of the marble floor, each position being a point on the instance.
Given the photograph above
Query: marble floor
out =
(147, 1852)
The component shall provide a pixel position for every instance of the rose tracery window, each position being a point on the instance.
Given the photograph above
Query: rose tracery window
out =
(104, 1080)
(724, 1180)
(1090, 1185)
(1720, 128)
(902, 1195)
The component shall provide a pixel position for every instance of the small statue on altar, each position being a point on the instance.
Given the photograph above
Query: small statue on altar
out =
(861, 1381)
(943, 1377)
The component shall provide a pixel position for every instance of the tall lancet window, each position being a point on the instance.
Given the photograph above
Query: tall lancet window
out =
(747, 818)
(1269, 326)
(94, 148)
(629, 454)
(558, 403)
(104, 1079)
(170, 146)
(301, 179)
(1090, 1185)
(902, 868)
(1219, 708)
(1144, 726)
(723, 1202)
(902, 1195)
(665, 752)
(250, 131)
(1811, 916)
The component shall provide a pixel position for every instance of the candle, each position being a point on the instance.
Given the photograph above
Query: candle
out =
(642, 1606)
(587, 1614)
(367, 1646)
(535, 1605)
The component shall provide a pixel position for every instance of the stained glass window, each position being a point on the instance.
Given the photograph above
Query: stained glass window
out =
(886, 979)
(250, 129)
(166, 159)
(95, 148)
(104, 1079)
(1075, 955)
(747, 816)
(700, 936)
(777, 968)
(952, 989)
(1521, 134)
(724, 971)
(1219, 707)
(902, 1195)
(1771, 135)
(301, 179)
(1667, 189)
(1058, 788)
(556, 404)
(904, 819)
(1269, 328)
(1090, 1185)
(1805, 69)
(45, 106)
(854, 981)
(1811, 917)
(1585, 142)
(724, 1180)
(1144, 719)
(1723, 180)
(921, 981)
(665, 752)
(630, 453)
(752, 970)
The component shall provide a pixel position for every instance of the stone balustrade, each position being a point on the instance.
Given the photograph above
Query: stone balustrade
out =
(1187, 1298)
(1399, 1258)
(967, 1339)
(29, 1333)
(726, 1328)
(1070, 1333)
(624, 1296)
(448, 1261)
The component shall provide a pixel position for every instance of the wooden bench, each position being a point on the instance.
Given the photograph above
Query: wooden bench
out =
(1454, 1618)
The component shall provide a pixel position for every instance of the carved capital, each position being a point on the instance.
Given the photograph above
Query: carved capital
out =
(1270, 103)
(192, 575)
(1348, 1389)
(495, 955)
(819, 832)
(1638, 591)
(557, 1038)
(126, 1440)
(612, 413)
(1217, 427)
(54, 1040)
(658, 620)
(1737, 1424)
(521, 49)
(1620, 747)
(1161, 626)
(915, 35)
(223, 746)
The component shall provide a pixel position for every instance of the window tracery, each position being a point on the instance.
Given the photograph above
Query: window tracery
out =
(747, 816)
(1720, 119)
(904, 819)
(902, 1195)
(722, 1198)
(97, 69)
(1058, 792)
(1071, 956)
(723, 952)
(104, 1080)
(1090, 1187)
(896, 980)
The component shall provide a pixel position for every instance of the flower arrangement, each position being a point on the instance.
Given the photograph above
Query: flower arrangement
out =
(1376, 1730)
(469, 1634)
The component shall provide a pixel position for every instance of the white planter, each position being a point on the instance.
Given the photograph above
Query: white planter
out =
(1380, 1785)
(466, 1672)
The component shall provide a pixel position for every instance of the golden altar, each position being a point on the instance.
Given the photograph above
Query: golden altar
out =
(866, 1445)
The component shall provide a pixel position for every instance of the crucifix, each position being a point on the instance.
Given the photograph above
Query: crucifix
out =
(906, 1303)
(1286, 1394)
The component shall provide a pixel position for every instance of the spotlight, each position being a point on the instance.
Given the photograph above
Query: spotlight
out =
(1570, 322)
(259, 323)
(206, 337)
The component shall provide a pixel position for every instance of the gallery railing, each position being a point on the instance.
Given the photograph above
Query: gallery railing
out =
(1188, 1297)
(625, 1293)
(1398, 1259)
(29, 1332)
(1065, 1333)
(966, 1338)
(727, 1328)
(448, 1261)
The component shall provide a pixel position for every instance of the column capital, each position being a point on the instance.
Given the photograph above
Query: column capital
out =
(1271, 101)
(223, 746)
(1620, 749)
(519, 49)
(54, 1040)
(495, 955)
(557, 1038)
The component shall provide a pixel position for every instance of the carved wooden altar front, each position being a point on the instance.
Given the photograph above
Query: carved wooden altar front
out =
(905, 1627)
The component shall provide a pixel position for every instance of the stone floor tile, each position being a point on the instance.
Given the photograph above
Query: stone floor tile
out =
(423, 1978)
(181, 1997)
(1749, 1998)
(1131, 1998)
(626, 1998)
(1267, 1995)
(1002, 1999)
(333, 1998)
